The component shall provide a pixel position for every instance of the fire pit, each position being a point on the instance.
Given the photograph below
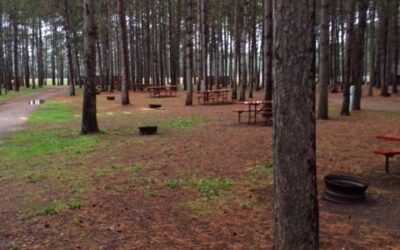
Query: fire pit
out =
(344, 189)
(111, 98)
(155, 106)
(148, 130)
(36, 102)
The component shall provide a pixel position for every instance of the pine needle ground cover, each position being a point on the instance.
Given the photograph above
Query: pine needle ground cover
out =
(203, 180)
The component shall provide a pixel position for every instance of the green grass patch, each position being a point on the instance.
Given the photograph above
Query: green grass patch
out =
(211, 187)
(184, 123)
(30, 145)
(173, 184)
(22, 92)
(49, 209)
(52, 111)
(134, 169)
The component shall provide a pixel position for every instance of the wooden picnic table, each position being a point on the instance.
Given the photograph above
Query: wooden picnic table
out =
(254, 110)
(162, 91)
(389, 137)
(216, 96)
(388, 152)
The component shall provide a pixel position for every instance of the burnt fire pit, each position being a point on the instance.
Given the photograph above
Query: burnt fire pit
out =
(148, 130)
(111, 98)
(344, 189)
(155, 106)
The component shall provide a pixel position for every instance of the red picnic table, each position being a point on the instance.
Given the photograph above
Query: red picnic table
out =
(254, 110)
(388, 152)
(162, 90)
(389, 137)
(215, 95)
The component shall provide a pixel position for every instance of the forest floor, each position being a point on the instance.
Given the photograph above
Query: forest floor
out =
(204, 182)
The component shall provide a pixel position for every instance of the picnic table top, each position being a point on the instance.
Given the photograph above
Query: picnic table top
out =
(389, 137)
(257, 102)
(213, 91)
(161, 86)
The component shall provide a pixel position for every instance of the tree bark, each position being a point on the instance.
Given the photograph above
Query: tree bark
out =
(324, 61)
(16, 53)
(89, 114)
(268, 44)
(189, 52)
(360, 47)
(296, 204)
(348, 54)
(40, 64)
(67, 27)
(125, 77)
(243, 62)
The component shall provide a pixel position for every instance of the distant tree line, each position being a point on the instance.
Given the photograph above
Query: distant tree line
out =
(231, 44)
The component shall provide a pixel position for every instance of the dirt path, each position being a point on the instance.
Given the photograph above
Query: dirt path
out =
(14, 112)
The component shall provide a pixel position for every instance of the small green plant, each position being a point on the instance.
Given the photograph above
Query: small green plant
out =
(134, 169)
(245, 205)
(33, 178)
(12, 245)
(173, 184)
(75, 190)
(113, 165)
(150, 193)
(210, 187)
(101, 174)
(48, 210)
(73, 204)
(261, 169)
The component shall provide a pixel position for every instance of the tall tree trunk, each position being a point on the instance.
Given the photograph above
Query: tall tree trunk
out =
(348, 56)
(125, 77)
(243, 61)
(40, 55)
(296, 213)
(2, 66)
(360, 47)
(324, 61)
(67, 27)
(16, 53)
(372, 51)
(53, 54)
(203, 45)
(383, 46)
(26, 59)
(89, 114)
(268, 35)
(189, 52)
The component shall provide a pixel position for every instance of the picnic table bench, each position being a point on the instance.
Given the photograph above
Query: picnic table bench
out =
(213, 96)
(388, 152)
(253, 110)
(163, 91)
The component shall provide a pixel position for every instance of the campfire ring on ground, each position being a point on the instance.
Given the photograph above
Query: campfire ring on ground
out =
(111, 98)
(155, 106)
(148, 130)
(342, 189)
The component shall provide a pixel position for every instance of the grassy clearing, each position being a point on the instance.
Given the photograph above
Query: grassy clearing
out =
(22, 92)
(54, 112)
(52, 160)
